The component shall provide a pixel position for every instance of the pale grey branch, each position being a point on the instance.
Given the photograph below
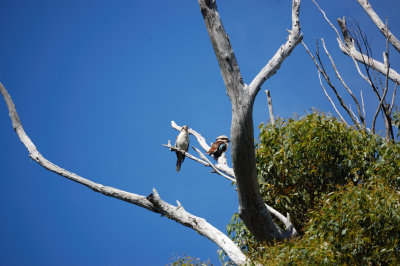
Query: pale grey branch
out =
(222, 163)
(294, 38)
(152, 202)
(194, 158)
(360, 115)
(362, 102)
(349, 48)
(330, 100)
(212, 165)
(285, 220)
(379, 23)
(200, 225)
(200, 139)
(393, 97)
(270, 109)
(327, 19)
(326, 77)
(252, 210)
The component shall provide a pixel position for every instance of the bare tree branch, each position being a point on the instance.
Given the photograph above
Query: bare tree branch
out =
(152, 202)
(321, 70)
(290, 230)
(349, 49)
(203, 143)
(222, 48)
(385, 108)
(379, 23)
(200, 139)
(271, 111)
(252, 210)
(359, 71)
(393, 97)
(330, 100)
(213, 166)
(360, 115)
(221, 169)
(327, 20)
(200, 225)
(284, 51)
(362, 101)
(285, 220)
(194, 158)
(222, 164)
(354, 115)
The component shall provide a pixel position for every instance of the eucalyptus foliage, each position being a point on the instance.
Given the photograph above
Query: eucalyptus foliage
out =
(340, 186)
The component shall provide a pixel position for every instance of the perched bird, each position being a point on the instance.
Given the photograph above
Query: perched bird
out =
(219, 146)
(182, 142)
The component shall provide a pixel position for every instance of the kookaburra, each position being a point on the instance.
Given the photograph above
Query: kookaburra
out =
(219, 146)
(182, 142)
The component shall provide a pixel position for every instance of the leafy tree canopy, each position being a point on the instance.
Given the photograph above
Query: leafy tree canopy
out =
(340, 186)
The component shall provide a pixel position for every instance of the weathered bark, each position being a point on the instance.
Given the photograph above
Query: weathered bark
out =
(153, 202)
(270, 107)
(349, 49)
(379, 23)
(223, 169)
(252, 209)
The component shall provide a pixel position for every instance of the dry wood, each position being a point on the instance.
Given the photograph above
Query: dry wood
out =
(252, 210)
(379, 23)
(270, 109)
(152, 202)
(348, 48)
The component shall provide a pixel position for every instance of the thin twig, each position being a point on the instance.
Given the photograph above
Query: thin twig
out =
(393, 97)
(321, 70)
(381, 105)
(194, 158)
(362, 102)
(379, 23)
(362, 118)
(222, 164)
(349, 49)
(200, 139)
(329, 98)
(326, 18)
(212, 165)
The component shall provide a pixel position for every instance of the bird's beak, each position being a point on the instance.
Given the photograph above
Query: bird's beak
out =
(228, 141)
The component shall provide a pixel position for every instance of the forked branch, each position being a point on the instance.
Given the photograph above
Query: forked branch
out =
(349, 48)
(252, 210)
(225, 171)
(294, 38)
(221, 165)
(152, 202)
(379, 23)
(318, 63)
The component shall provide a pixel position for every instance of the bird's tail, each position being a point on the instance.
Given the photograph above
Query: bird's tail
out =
(178, 165)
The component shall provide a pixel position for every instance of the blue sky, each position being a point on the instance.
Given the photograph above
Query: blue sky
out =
(96, 84)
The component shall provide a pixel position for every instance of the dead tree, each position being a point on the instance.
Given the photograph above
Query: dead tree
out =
(255, 214)
(252, 209)
(356, 46)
